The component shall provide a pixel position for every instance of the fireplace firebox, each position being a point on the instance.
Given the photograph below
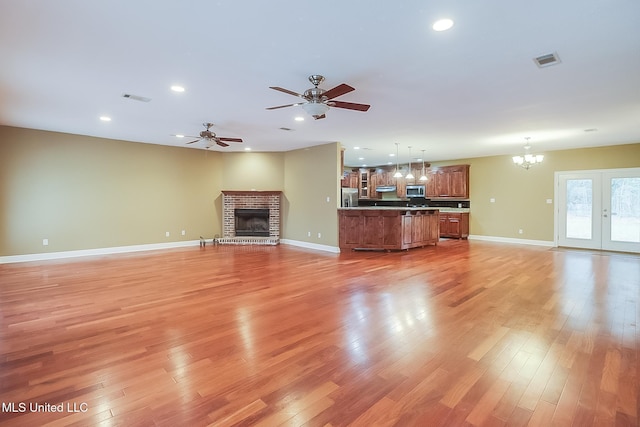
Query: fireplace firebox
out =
(252, 222)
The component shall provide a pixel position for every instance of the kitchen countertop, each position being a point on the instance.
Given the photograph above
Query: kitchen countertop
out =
(414, 208)
(389, 208)
(461, 210)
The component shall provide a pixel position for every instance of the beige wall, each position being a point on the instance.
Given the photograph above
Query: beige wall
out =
(84, 193)
(311, 176)
(520, 195)
(253, 171)
(81, 192)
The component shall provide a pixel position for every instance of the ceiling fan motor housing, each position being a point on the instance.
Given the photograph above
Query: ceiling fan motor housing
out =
(314, 93)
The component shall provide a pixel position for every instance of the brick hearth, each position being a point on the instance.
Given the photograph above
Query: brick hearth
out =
(232, 200)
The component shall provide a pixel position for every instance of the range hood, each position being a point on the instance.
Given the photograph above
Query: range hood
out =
(386, 189)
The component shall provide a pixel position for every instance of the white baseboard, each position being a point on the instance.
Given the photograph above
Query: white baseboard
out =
(156, 246)
(546, 243)
(325, 248)
(98, 251)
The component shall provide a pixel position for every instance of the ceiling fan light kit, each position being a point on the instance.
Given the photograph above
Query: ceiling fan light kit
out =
(318, 101)
(211, 137)
(315, 109)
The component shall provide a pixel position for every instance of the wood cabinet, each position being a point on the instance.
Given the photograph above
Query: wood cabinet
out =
(459, 181)
(381, 178)
(373, 183)
(350, 180)
(389, 229)
(363, 184)
(454, 224)
(401, 186)
(448, 182)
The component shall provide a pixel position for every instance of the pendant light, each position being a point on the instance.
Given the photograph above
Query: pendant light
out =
(423, 177)
(397, 174)
(410, 175)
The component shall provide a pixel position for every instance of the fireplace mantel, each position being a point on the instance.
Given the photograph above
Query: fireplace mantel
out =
(250, 193)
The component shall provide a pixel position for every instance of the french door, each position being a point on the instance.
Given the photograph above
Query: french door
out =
(599, 209)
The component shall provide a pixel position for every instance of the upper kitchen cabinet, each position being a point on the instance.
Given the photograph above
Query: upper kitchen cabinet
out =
(459, 181)
(350, 179)
(368, 180)
(448, 182)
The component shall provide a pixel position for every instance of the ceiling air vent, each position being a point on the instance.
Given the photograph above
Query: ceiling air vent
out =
(547, 60)
(136, 97)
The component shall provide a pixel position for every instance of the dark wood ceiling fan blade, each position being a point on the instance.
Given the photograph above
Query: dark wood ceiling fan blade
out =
(192, 142)
(222, 144)
(283, 106)
(290, 92)
(338, 90)
(349, 105)
(230, 139)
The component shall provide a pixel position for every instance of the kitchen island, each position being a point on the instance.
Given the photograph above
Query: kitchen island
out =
(388, 228)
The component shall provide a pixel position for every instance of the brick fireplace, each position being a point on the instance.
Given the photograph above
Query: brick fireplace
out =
(237, 204)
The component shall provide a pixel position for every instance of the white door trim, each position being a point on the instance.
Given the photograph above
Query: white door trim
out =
(605, 174)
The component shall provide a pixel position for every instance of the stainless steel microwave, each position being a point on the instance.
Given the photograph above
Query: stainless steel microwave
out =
(415, 190)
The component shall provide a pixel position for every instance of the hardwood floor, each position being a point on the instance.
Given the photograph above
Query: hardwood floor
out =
(467, 333)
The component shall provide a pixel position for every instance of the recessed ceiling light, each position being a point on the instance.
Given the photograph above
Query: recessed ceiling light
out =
(356, 148)
(247, 149)
(360, 158)
(177, 88)
(105, 118)
(392, 155)
(299, 119)
(179, 136)
(442, 25)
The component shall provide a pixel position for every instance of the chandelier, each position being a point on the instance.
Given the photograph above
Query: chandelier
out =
(528, 159)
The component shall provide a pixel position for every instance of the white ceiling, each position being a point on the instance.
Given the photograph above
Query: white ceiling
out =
(468, 92)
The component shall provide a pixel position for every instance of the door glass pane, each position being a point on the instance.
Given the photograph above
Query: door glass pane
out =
(625, 209)
(579, 208)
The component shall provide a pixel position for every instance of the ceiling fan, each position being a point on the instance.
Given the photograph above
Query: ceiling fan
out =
(318, 101)
(211, 137)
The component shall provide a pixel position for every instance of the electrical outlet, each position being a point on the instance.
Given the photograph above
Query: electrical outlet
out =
(45, 242)
(492, 200)
(184, 232)
(549, 201)
(328, 199)
(319, 235)
(166, 234)
(520, 231)
(308, 234)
